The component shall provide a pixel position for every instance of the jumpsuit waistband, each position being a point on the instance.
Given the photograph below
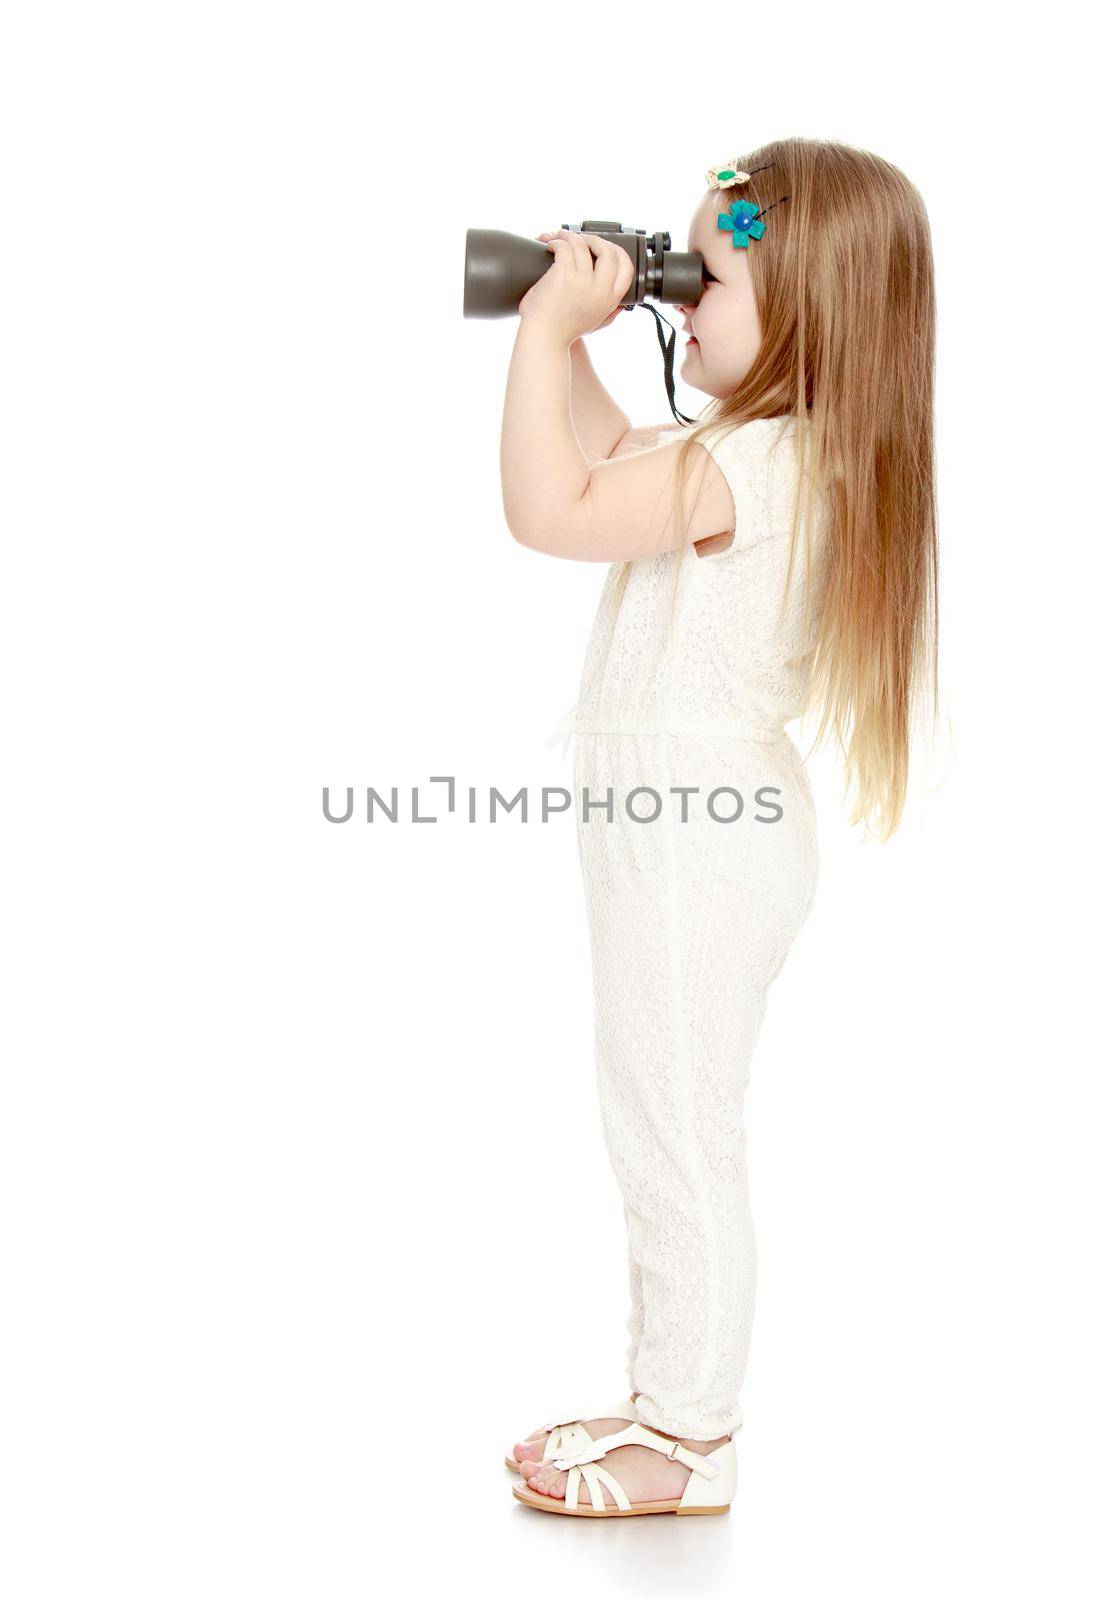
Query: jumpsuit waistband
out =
(712, 727)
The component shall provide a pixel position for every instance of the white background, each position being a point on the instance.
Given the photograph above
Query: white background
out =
(305, 1209)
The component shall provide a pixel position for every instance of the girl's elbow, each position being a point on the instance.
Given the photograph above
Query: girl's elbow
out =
(572, 539)
(530, 531)
(522, 531)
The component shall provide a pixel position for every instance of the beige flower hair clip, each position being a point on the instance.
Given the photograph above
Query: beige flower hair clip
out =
(725, 176)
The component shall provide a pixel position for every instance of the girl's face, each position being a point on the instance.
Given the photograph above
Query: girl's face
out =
(725, 329)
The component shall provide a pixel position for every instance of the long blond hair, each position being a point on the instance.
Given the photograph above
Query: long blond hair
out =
(844, 285)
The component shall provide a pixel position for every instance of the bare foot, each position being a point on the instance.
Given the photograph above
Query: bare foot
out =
(644, 1474)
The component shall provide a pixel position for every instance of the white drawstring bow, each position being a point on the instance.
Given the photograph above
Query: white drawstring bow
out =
(562, 733)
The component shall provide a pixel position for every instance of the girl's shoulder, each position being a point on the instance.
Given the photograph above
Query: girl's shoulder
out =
(776, 427)
(759, 462)
(733, 445)
(736, 446)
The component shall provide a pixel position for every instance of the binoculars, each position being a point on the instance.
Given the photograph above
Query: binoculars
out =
(500, 267)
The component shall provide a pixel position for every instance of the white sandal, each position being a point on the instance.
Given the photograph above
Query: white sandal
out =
(709, 1489)
(568, 1438)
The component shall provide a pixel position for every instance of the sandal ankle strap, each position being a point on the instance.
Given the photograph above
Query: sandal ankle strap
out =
(691, 1459)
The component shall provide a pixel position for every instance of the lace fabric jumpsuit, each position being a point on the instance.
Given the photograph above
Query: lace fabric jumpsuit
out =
(691, 920)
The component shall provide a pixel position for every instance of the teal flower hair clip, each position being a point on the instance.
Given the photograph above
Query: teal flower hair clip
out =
(743, 221)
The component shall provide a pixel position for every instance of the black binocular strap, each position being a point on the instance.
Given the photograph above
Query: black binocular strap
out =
(667, 346)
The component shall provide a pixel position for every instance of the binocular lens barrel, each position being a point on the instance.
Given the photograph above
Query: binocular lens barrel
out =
(500, 267)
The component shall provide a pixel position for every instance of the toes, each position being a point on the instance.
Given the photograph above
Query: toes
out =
(548, 1482)
(529, 1469)
(525, 1451)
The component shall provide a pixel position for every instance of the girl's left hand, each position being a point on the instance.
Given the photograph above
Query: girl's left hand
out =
(586, 282)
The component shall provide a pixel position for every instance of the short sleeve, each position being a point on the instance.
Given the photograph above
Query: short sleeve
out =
(755, 460)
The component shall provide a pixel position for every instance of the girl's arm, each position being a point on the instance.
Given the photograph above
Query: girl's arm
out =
(599, 421)
(616, 510)
(553, 500)
(601, 425)
(544, 471)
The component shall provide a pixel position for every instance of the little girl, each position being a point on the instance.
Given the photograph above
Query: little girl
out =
(788, 565)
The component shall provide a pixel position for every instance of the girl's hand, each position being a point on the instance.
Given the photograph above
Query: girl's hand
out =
(583, 288)
(606, 321)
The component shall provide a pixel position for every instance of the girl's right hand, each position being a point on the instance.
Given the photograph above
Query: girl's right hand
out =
(545, 237)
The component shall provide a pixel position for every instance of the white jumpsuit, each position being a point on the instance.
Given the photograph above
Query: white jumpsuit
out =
(691, 920)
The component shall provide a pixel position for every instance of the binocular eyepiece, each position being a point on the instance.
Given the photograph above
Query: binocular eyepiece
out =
(500, 267)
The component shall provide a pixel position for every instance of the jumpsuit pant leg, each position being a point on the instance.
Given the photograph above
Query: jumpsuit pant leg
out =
(690, 921)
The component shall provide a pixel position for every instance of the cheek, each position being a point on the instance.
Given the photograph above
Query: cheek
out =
(706, 325)
(719, 323)
(707, 319)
